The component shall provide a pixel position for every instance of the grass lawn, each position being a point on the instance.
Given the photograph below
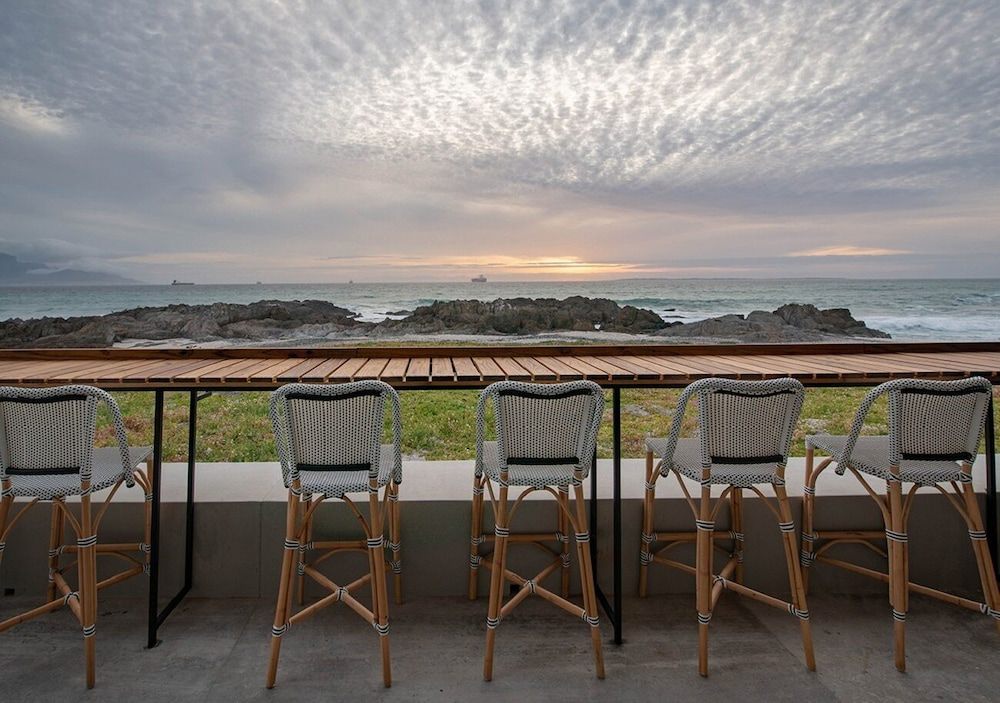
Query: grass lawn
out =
(438, 424)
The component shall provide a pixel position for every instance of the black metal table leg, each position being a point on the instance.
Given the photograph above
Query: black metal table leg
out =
(616, 414)
(991, 485)
(189, 517)
(156, 617)
(154, 532)
(593, 522)
(613, 610)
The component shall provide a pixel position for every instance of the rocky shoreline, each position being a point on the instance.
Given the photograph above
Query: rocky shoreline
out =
(319, 322)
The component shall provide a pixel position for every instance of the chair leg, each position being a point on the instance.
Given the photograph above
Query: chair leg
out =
(55, 541)
(795, 575)
(808, 508)
(147, 534)
(587, 581)
(300, 576)
(987, 575)
(646, 542)
(380, 597)
(394, 544)
(87, 588)
(284, 585)
(898, 576)
(736, 508)
(562, 507)
(476, 535)
(5, 504)
(703, 575)
(497, 580)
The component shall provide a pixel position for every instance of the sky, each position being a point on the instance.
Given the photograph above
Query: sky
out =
(399, 141)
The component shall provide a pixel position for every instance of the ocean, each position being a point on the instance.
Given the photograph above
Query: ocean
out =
(936, 309)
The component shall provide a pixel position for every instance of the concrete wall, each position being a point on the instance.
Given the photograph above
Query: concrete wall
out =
(241, 514)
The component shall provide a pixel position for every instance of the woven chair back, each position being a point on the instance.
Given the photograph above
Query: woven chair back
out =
(538, 424)
(47, 431)
(936, 420)
(747, 422)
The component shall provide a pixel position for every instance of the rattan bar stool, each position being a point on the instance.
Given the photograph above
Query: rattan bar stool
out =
(329, 441)
(546, 437)
(744, 432)
(934, 433)
(47, 454)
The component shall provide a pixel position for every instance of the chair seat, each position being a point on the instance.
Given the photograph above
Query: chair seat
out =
(687, 462)
(523, 475)
(657, 446)
(871, 456)
(106, 472)
(335, 484)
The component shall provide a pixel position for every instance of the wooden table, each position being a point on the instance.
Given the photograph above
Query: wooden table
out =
(197, 371)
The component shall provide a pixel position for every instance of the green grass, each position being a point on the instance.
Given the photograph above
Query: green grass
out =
(438, 424)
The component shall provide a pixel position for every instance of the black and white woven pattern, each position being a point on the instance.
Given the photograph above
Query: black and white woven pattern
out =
(329, 437)
(745, 431)
(47, 442)
(544, 432)
(934, 427)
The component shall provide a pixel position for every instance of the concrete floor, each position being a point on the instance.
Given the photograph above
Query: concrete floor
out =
(217, 650)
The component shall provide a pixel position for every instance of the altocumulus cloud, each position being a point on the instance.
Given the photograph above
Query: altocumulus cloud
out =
(400, 140)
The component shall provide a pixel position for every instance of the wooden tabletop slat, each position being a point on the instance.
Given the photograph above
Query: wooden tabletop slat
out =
(839, 364)
(562, 370)
(247, 374)
(604, 364)
(512, 369)
(538, 370)
(272, 371)
(672, 367)
(395, 370)
(372, 369)
(160, 371)
(630, 363)
(106, 371)
(818, 369)
(233, 371)
(488, 369)
(296, 372)
(943, 362)
(419, 369)
(349, 369)
(318, 374)
(172, 373)
(51, 372)
(465, 369)
(195, 375)
(586, 370)
(441, 369)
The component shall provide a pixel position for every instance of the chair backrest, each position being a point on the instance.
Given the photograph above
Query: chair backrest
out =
(334, 427)
(930, 420)
(742, 422)
(538, 424)
(47, 431)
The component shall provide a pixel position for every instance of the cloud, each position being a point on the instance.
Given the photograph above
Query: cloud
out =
(848, 250)
(617, 133)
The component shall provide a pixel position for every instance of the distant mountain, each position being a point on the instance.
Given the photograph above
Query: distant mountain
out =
(14, 272)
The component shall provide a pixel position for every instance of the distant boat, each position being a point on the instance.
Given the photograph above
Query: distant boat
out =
(479, 279)
(175, 282)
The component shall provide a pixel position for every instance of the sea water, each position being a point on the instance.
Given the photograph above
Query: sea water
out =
(936, 309)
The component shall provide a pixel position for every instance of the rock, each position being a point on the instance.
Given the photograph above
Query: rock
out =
(833, 321)
(265, 319)
(789, 323)
(315, 319)
(524, 316)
